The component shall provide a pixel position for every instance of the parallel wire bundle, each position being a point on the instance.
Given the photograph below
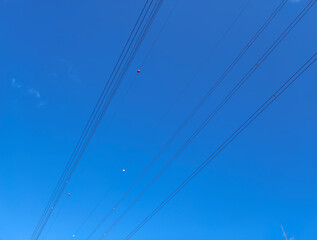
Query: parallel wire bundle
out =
(197, 107)
(82, 225)
(221, 147)
(158, 124)
(216, 110)
(133, 43)
(155, 128)
(127, 55)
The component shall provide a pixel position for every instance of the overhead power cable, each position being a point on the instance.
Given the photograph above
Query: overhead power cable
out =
(181, 93)
(136, 37)
(127, 165)
(113, 116)
(242, 127)
(197, 107)
(217, 109)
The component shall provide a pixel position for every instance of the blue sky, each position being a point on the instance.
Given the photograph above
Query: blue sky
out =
(55, 57)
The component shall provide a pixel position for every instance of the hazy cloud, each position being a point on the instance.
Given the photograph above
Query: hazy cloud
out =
(14, 83)
(41, 104)
(30, 91)
(33, 92)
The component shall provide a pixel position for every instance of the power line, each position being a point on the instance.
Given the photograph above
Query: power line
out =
(123, 71)
(218, 108)
(177, 98)
(165, 115)
(148, 53)
(181, 93)
(117, 109)
(245, 124)
(99, 109)
(211, 90)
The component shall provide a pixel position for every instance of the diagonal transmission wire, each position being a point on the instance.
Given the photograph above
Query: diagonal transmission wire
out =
(136, 37)
(188, 83)
(146, 58)
(126, 93)
(114, 114)
(217, 109)
(57, 215)
(242, 127)
(153, 13)
(165, 115)
(211, 90)
(170, 108)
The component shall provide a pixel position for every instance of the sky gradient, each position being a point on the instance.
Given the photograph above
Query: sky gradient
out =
(55, 58)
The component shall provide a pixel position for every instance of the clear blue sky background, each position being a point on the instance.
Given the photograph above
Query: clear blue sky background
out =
(55, 57)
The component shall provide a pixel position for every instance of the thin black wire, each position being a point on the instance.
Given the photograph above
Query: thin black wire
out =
(249, 44)
(95, 207)
(69, 166)
(145, 29)
(160, 32)
(165, 115)
(113, 91)
(117, 109)
(266, 104)
(93, 210)
(53, 200)
(188, 83)
(204, 99)
(217, 109)
(120, 78)
(92, 233)
(144, 60)
(58, 213)
(123, 71)
(160, 122)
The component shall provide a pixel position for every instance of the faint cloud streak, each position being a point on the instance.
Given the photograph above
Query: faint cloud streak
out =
(14, 83)
(41, 104)
(33, 92)
(30, 91)
(284, 234)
